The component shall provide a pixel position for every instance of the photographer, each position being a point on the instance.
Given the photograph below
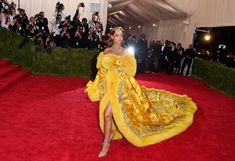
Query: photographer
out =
(30, 32)
(78, 11)
(5, 18)
(22, 19)
(55, 32)
(93, 39)
(99, 29)
(5, 12)
(65, 35)
(66, 23)
(59, 10)
(77, 38)
(65, 38)
(49, 43)
(31, 29)
(42, 22)
(95, 18)
(16, 27)
(44, 41)
(4, 4)
(85, 30)
(76, 18)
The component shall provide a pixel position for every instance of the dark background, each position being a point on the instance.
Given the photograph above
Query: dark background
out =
(219, 35)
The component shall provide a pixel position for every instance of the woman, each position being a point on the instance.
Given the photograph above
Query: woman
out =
(144, 116)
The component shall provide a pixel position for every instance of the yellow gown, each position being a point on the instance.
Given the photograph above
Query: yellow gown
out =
(144, 116)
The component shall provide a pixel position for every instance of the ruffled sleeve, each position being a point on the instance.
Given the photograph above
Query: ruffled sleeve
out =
(129, 64)
(99, 60)
(109, 65)
(92, 87)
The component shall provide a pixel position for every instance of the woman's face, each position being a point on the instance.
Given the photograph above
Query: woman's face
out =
(118, 37)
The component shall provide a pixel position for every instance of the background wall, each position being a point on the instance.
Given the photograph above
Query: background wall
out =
(201, 13)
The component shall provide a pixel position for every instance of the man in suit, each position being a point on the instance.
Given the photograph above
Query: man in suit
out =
(141, 54)
(163, 57)
(188, 58)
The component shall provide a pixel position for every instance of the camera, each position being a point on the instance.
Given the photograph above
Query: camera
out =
(82, 5)
(58, 18)
(68, 18)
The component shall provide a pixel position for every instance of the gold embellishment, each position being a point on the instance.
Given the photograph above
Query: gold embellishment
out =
(144, 113)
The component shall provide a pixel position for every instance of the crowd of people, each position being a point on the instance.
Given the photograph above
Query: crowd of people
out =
(161, 56)
(66, 32)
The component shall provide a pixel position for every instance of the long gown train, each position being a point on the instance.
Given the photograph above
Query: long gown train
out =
(144, 116)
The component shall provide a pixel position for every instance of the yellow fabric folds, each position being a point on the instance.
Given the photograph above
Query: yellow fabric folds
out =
(144, 116)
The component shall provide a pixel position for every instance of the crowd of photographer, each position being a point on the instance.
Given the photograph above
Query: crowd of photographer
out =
(65, 32)
(69, 33)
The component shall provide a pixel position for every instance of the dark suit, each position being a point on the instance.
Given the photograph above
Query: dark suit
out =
(142, 51)
(189, 55)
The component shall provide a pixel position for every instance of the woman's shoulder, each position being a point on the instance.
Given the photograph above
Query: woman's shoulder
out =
(122, 52)
(100, 56)
(107, 51)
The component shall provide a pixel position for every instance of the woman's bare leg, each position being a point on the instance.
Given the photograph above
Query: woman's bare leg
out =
(107, 130)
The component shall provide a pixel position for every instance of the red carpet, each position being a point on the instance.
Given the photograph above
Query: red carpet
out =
(44, 118)
(10, 74)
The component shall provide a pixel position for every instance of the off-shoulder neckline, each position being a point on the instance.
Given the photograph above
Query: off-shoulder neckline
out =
(111, 53)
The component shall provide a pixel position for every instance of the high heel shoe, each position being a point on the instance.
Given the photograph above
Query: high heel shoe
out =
(110, 138)
(105, 146)
(104, 151)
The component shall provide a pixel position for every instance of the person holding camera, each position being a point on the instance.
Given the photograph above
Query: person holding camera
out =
(7, 13)
(31, 28)
(55, 32)
(76, 20)
(65, 35)
(93, 39)
(4, 14)
(95, 18)
(42, 22)
(22, 19)
(78, 12)
(77, 37)
(59, 8)
(84, 32)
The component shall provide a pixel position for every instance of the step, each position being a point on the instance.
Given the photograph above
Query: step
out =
(4, 63)
(8, 69)
(12, 79)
